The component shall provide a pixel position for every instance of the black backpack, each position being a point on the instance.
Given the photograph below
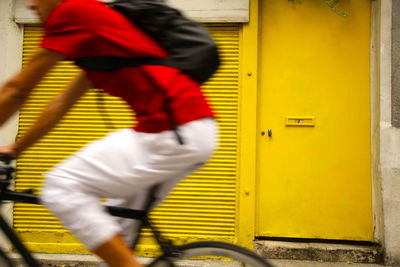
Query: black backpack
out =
(190, 46)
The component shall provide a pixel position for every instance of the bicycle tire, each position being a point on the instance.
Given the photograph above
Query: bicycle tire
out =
(5, 260)
(210, 253)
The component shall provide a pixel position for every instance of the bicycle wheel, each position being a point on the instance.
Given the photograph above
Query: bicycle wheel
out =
(211, 254)
(5, 260)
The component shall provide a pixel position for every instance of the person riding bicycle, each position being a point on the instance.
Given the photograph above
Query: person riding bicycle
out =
(125, 164)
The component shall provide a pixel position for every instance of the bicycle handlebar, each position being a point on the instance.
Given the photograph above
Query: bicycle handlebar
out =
(6, 170)
(6, 159)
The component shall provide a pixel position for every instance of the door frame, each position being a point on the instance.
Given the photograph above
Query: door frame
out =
(248, 137)
(248, 109)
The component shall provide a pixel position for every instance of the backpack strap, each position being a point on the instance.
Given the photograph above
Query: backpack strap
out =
(167, 108)
(110, 63)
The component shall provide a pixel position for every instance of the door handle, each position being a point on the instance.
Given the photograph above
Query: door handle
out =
(269, 132)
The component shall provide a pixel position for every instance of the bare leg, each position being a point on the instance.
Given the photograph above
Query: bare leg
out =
(116, 253)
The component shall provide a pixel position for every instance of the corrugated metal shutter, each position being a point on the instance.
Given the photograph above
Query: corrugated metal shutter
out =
(202, 207)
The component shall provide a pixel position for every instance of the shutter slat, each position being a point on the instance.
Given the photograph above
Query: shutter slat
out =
(202, 206)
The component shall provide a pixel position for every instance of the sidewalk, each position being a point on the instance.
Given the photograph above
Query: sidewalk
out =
(290, 263)
(63, 260)
(295, 254)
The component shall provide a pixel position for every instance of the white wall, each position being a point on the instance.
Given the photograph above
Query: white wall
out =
(389, 145)
(204, 10)
(10, 63)
(10, 60)
(375, 122)
(214, 10)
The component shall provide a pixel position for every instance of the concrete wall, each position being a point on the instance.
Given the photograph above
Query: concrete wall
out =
(10, 58)
(375, 123)
(204, 11)
(396, 64)
(389, 142)
(10, 62)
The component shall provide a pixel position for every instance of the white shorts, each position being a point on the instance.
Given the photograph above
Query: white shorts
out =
(122, 167)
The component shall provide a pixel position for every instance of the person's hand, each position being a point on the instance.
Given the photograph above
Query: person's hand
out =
(9, 151)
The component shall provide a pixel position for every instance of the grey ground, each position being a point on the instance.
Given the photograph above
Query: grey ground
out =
(56, 260)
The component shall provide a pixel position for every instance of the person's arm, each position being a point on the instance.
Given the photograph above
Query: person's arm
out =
(15, 91)
(51, 115)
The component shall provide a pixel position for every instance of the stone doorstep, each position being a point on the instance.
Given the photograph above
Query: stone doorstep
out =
(319, 252)
(267, 249)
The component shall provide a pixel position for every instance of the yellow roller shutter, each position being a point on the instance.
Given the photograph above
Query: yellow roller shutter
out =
(202, 207)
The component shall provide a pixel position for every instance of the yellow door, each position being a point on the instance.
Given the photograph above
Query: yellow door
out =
(314, 138)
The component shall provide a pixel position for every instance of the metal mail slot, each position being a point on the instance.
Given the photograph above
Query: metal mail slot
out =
(300, 121)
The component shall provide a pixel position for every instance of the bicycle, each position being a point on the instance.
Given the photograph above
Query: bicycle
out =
(172, 255)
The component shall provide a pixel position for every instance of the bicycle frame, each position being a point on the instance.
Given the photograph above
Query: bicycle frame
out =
(166, 245)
